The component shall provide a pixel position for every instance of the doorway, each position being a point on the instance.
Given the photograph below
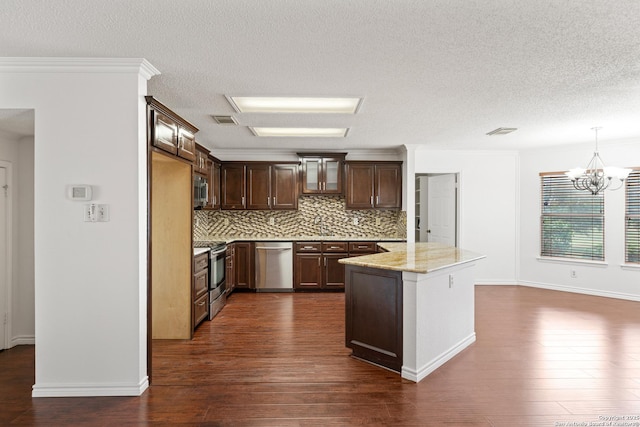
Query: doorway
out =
(5, 248)
(437, 214)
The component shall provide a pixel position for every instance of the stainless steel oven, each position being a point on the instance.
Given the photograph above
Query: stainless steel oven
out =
(217, 284)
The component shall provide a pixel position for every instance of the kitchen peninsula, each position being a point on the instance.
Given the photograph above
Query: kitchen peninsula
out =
(410, 309)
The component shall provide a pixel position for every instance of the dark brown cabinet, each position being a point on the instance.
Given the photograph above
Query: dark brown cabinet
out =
(169, 132)
(321, 173)
(373, 185)
(200, 164)
(214, 183)
(200, 286)
(316, 265)
(268, 185)
(233, 186)
(243, 265)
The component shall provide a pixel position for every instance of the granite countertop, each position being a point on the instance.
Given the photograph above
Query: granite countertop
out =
(421, 257)
(198, 251)
(231, 239)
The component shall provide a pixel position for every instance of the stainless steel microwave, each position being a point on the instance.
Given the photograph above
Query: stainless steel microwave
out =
(200, 192)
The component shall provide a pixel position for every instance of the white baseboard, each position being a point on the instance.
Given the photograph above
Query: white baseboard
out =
(87, 390)
(435, 363)
(495, 282)
(585, 291)
(22, 340)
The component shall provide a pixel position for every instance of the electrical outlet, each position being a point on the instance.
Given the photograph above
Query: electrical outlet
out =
(574, 274)
(378, 221)
(356, 221)
(450, 280)
(226, 221)
(272, 221)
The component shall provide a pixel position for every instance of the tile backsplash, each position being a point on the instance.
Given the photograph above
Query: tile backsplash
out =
(316, 215)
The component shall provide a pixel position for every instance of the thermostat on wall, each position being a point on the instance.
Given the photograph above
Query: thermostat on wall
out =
(79, 192)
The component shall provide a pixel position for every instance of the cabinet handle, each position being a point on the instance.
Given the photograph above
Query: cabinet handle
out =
(334, 247)
(268, 201)
(318, 262)
(242, 200)
(200, 304)
(274, 200)
(377, 200)
(325, 261)
(307, 247)
(371, 200)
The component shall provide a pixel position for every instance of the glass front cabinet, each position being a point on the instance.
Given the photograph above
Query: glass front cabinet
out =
(322, 173)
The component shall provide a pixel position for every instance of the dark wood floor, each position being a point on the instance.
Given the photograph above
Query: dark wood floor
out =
(541, 358)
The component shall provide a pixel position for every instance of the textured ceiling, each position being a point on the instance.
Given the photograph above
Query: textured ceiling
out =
(441, 73)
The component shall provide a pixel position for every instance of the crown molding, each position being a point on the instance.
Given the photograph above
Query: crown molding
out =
(79, 65)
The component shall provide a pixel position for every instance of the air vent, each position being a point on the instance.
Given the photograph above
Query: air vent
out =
(502, 131)
(225, 120)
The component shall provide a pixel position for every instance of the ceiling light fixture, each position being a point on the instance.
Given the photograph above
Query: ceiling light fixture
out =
(501, 131)
(597, 177)
(265, 104)
(300, 132)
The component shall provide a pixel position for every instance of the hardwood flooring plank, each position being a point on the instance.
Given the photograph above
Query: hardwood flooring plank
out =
(541, 357)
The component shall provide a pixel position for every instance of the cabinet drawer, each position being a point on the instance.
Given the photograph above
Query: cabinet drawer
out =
(362, 247)
(335, 247)
(200, 283)
(200, 310)
(308, 247)
(201, 262)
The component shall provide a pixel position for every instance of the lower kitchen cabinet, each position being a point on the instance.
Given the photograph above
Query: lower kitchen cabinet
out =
(243, 265)
(200, 309)
(316, 265)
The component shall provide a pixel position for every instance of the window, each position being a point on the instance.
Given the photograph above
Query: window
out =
(572, 221)
(632, 218)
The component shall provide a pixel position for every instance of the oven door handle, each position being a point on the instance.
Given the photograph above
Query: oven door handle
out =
(219, 251)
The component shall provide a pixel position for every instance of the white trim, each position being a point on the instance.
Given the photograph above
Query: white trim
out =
(628, 266)
(88, 390)
(79, 65)
(496, 283)
(584, 291)
(572, 261)
(9, 254)
(435, 363)
(22, 340)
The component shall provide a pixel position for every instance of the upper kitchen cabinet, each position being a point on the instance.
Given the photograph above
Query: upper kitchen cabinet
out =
(200, 164)
(233, 186)
(374, 185)
(170, 132)
(268, 186)
(214, 182)
(322, 172)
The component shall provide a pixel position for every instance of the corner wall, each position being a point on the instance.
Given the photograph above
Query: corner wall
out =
(90, 278)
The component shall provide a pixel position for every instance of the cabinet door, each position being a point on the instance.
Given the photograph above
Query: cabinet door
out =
(243, 265)
(334, 277)
(311, 175)
(186, 145)
(332, 176)
(308, 271)
(284, 186)
(360, 179)
(388, 186)
(232, 186)
(229, 278)
(258, 186)
(165, 133)
(214, 186)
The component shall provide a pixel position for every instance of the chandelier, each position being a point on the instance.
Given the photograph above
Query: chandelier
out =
(597, 177)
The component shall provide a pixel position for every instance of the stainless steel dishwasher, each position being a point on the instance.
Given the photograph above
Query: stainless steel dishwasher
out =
(274, 267)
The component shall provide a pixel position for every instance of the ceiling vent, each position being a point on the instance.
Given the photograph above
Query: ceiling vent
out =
(502, 131)
(225, 120)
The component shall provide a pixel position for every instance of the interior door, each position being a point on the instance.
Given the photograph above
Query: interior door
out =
(441, 209)
(4, 280)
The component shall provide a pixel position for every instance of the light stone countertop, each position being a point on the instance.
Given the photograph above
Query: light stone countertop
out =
(421, 257)
(198, 251)
(311, 238)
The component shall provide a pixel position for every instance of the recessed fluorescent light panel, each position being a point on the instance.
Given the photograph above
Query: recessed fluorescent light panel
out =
(300, 132)
(257, 104)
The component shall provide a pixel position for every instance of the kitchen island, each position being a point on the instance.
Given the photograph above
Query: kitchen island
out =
(410, 309)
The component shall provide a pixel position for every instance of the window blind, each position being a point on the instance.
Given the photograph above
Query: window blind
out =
(632, 218)
(572, 221)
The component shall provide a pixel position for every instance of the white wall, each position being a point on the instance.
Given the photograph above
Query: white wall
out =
(90, 278)
(19, 152)
(488, 205)
(607, 280)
